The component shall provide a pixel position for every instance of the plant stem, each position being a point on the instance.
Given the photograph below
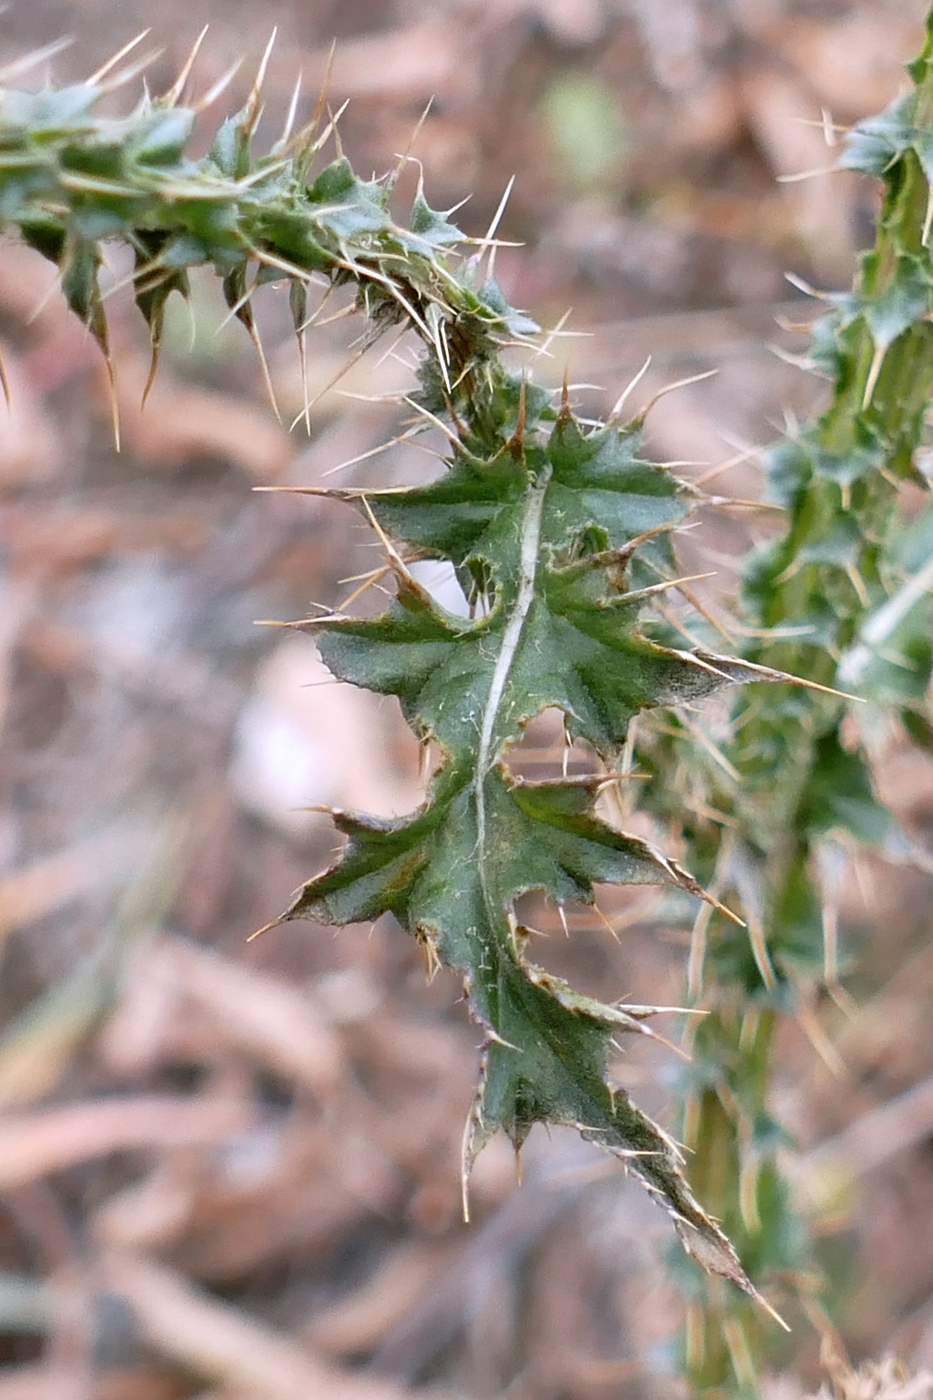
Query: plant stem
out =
(802, 785)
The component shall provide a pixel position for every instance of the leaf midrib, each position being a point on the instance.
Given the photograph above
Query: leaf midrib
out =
(528, 563)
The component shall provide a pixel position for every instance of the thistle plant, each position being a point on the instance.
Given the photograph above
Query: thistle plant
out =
(560, 536)
(841, 596)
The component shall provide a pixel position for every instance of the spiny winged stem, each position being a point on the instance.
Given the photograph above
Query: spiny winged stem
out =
(528, 554)
(557, 533)
(841, 596)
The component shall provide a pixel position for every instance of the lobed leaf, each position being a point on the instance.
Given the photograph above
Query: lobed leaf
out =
(560, 539)
(546, 529)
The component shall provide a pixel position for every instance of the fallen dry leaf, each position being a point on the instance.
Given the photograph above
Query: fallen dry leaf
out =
(179, 423)
(264, 1015)
(50, 883)
(53, 1139)
(360, 1323)
(222, 1343)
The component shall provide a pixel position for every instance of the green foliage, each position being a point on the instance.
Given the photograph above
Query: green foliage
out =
(544, 527)
(841, 596)
(543, 521)
(559, 534)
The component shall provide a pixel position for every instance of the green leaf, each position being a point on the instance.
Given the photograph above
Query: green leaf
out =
(431, 227)
(907, 299)
(560, 539)
(546, 528)
(162, 138)
(873, 144)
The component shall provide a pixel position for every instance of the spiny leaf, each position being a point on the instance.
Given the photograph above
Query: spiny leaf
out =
(838, 598)
(559, 538)
(546, 529)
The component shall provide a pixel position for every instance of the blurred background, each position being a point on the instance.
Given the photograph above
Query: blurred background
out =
(231, 1172)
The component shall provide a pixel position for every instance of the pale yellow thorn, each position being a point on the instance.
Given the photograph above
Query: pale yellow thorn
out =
(824, 123)
(169, 99)
(604, 921)
(807, 174)
(731, 502)
(677, 1050)
(355, 578)
(261, 173)
(432, 418)
(290, 114)
(740, 1353)
(697, 957)
(928, 217)
(111, 63)
(747, 455)
(397, 561)
(486, 243)
(812, 1028)
(221, 85)
(303, 377)
(665, 586)
(623, 397)
(724, 909)
(373, 452)
(740, 630)
(341, 315)
(388, 353)
(406, 154)
(331, 126)
(566, 748)
(877, 360)
(699, 606)
(768, 674)
(711, 748)
(112, 397)
(19, 66)
(551, 336)
(435, 325)
(338, 143)
(264, 255)
(465, 1164)
(267, 377)
(678, 384)
(857, 582)
(628, 751)
(371, 579)
(759, 947)
(5, 382)
(252, 103)
(266, 928)
(805, 287)
(347, 364)
(128, 75)
(321, 105)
